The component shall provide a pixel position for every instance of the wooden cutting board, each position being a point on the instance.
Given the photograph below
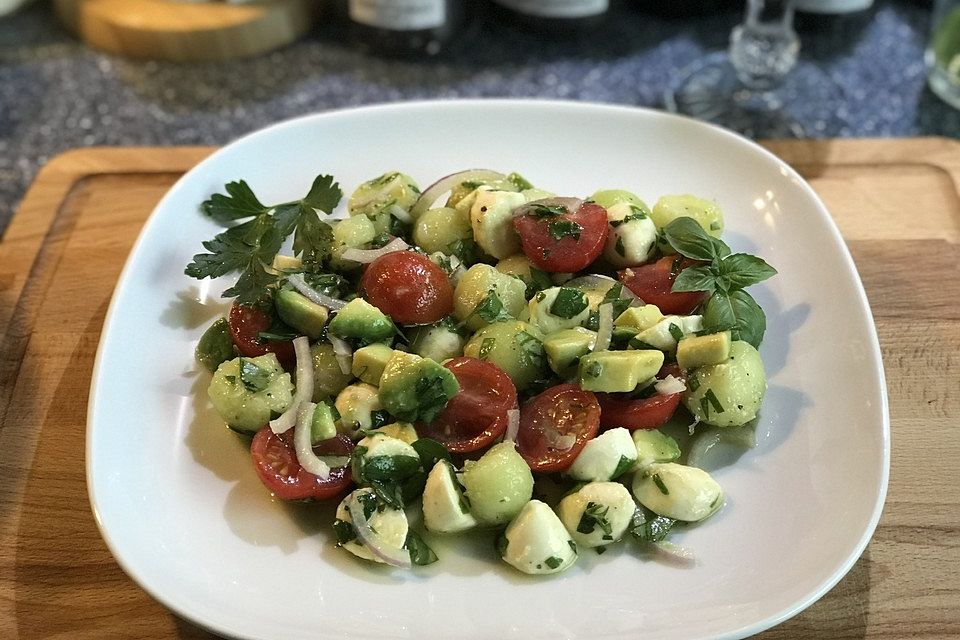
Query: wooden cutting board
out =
(896, 202)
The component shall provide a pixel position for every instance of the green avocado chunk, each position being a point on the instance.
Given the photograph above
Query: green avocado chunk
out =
(215, 346)
(362, 321)
(370, 361)
(414, 388)
(301, 313)
(618, 371)
(564, 348)
(699, 351)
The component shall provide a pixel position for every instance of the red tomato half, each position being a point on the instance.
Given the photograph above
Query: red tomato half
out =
(477, 415)
(275, 461)
(572, 251)
(408, 287)
(619, 410)
(653, 283)
(246, 323)
(558, 411)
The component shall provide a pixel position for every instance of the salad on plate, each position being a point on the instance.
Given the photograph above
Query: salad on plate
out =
(484, 354)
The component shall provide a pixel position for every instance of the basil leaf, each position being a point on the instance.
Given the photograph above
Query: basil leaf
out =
(697, 278)
(491, 308)
(650, 529)
(739, 313)
(539, 280)
(568, 303)
(740, 270)
(689, 239)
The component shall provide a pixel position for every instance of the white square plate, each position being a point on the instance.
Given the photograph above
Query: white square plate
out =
(179, 505)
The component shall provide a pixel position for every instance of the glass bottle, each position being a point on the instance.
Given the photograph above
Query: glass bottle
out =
(405, 27)
(555, 16)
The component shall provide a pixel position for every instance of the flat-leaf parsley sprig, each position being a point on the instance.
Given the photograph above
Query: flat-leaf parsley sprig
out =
(258, 233)
(724, 277)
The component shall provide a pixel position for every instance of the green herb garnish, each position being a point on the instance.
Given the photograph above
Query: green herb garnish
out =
(569, 303)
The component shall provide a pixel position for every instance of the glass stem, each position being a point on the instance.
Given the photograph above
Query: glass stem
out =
(764, 48)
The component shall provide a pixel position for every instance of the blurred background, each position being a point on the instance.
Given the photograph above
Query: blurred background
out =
(155, 72)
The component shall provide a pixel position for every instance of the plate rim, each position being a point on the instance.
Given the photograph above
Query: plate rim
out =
(521, 103)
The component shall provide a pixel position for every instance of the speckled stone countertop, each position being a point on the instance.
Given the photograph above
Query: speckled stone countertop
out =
(55, 94)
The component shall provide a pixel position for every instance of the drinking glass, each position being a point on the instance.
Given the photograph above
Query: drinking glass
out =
(759, 86)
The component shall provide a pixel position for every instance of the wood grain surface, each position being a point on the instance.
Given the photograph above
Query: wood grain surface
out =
(184, 32)
(896, 202)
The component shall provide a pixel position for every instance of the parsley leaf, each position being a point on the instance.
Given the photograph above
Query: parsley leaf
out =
(249, 247)
(491, 308)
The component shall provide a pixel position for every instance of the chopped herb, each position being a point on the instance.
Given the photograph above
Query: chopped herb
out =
(390, 468)
(344, 531)
(254, 377)
(676, 332)
(621, 250)
(640, 344)
(660, 485)
(230, 379)
(467, 250)
(553, 562)
(379, 418)
(600, 550)
(573, 545)
(539, 280)
(490, 309)
(653, 528)
(569, 303)
(271, 335)
(539, 210)
(693, 383)
(486, 346)
(594, 516)
(560, 229)
(624, 465)
(712, 398)
(370, 504)
(531, 351)
(420, 553)
(430, 452)
(614, 296)
(388, 493)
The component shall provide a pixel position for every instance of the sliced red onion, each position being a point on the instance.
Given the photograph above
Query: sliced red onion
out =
(297, 282)
(675, 552)
(604, 328)
(303, 445)
(304, 388)
(366, 256)
(670, 385)
(342, 352)
(391, 555)
(513, 424)
(570, 204)
(447, 183)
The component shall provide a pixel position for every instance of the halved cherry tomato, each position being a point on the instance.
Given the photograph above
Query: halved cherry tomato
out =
(577, 245)
(477, 414)
(654, 282)
(408, 287)
(275, 461)
(246, 323)
(558, 411)
(620, 410)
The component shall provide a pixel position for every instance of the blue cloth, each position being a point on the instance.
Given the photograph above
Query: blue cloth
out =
(56, 94)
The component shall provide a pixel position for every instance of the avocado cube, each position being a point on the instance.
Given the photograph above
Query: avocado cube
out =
(564, 348)
(362, 321)
(301, 313)
(618, 371)
(215, 346)
(639, 318)
(414, 388)
(324, 425)
(370, 361)
(699, 351)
